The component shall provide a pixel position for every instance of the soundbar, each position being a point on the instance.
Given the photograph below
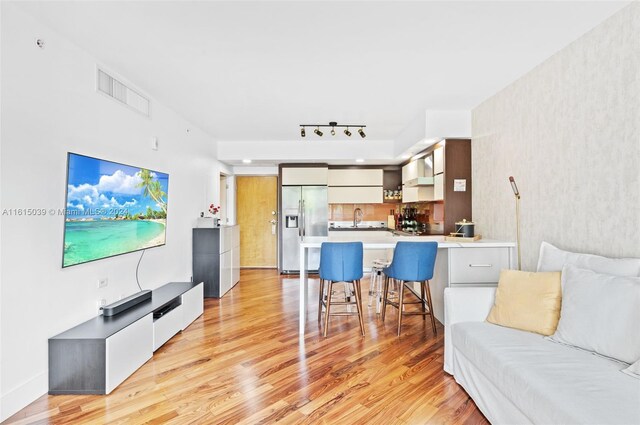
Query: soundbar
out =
(126, 303)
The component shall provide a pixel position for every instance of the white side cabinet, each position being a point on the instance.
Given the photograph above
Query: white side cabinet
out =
(127, 350)
(192, 305)
(98, 355)
(216, 259)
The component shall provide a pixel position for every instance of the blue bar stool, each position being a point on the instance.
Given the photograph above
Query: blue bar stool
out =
(340, 262)
(412, 262)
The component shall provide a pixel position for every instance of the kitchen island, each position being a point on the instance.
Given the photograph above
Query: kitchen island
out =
(457, 264)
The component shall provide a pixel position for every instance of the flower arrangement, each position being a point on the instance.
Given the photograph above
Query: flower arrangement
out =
(213, 209)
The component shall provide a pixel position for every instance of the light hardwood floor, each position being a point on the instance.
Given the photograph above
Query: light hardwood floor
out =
(243, 362)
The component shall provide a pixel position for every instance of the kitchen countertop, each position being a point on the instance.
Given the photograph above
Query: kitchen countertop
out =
(390, 241)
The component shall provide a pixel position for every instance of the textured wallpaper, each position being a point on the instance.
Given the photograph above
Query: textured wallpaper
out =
(569, 132)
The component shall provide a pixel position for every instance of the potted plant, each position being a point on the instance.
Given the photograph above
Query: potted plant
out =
(214, 212)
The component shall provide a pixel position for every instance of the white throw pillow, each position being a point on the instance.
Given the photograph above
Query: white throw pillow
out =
(633, 370)
(552, 259)
(600, 313)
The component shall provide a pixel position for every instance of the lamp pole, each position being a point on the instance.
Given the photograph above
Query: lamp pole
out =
(516, 192)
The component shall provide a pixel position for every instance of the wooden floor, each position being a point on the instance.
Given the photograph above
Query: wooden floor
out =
(243, 362)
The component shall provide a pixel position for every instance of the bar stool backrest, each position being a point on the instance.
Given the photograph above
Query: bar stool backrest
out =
(341, 261)
(413, 261)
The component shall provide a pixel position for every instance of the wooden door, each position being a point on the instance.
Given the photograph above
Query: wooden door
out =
(256, 200)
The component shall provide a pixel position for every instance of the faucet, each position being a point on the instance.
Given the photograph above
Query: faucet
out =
(357, 217)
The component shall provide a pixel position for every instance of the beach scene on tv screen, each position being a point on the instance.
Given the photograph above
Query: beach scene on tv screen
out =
(112, 209)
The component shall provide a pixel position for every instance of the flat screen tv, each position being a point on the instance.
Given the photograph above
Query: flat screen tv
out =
(112, 209)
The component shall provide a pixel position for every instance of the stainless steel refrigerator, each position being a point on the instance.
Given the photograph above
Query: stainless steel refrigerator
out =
(304, 212)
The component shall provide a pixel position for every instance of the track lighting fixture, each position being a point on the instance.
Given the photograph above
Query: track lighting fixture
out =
(333, 126)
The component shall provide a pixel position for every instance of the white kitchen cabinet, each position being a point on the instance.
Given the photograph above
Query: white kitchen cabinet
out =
(438, 160)
(293, 176)
(477, 265)
(438, 187)
(413, 170)
(369, 255)
(355, 177)
(417, 193)
(355, 195)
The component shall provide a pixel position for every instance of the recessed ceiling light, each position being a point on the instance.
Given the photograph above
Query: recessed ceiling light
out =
(359, 160)
(246, 161)
(406, 156)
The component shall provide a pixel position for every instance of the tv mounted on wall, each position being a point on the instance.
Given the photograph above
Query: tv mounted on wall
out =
(112, 209)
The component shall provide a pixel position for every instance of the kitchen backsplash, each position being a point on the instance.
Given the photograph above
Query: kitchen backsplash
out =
(427, 212)
(371, 212)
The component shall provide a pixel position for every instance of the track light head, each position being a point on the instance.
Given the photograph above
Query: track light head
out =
(333, 131)
(318, 132)
(361, 133)
(347, 132)
(303, 133)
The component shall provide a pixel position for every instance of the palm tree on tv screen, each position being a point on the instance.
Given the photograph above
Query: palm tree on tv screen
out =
(152, 188)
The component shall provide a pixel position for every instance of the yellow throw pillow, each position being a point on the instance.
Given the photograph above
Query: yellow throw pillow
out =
(528, 301)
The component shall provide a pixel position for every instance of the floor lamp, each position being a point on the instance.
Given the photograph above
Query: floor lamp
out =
(516, 192)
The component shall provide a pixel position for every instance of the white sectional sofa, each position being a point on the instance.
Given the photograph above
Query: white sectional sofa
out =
(518, 377)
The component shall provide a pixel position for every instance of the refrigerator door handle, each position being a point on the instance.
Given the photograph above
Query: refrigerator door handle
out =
(303, 226)
(300, 218)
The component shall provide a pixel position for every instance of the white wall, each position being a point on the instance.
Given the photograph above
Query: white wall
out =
(311, 148)
(429, 127)
(569, 132)
(242, 170)
(50, 106)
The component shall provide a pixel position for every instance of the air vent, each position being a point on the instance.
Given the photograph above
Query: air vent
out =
(120, 92)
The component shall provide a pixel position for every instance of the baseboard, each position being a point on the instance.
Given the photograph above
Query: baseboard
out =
(22, 395)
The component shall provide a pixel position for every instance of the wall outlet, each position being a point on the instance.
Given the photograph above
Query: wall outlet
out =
(103, 282)
(101, 303)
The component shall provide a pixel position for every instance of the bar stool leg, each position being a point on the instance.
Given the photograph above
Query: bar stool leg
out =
(358, 293)
(400, 300)
(433, 320)
(320, 299)
(422, 299)
(379, 291)
(372, 281)
(385, 294)
(326, 313)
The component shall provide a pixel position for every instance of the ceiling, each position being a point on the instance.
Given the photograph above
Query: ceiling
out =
(254, 71)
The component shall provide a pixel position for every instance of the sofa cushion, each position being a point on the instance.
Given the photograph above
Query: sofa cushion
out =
(527, 301)
(600, 313)
(553, 259)
(549, 383)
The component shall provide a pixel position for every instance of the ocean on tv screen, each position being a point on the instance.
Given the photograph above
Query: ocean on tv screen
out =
(112, 209)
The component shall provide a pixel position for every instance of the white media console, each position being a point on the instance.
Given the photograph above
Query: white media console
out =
(99, 354)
